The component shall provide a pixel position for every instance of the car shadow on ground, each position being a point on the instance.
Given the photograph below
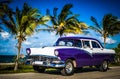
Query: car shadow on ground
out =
(78, 70)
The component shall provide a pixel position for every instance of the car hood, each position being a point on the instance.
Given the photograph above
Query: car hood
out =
(48, 51)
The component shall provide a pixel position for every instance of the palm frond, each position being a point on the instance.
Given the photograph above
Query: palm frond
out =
(18, 16)
(83, 25)
(47, 12)
(94, 20)
(10, 26)
(54, 21)
(115, 27)
(96, 29)
(26, 9)
(73, 17)
(65, 12)
(55, 12)
(30, 28)
(111, 22)
(33, 13)
(10, 15)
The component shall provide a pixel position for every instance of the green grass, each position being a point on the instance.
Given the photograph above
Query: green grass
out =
(10, 69)
(6, 69)
(115, 64)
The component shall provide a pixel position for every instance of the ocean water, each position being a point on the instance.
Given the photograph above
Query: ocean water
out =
(10, 58)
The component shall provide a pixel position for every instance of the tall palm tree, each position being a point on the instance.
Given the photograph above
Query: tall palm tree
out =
(21, 23)
(110, 26)
(65, 22)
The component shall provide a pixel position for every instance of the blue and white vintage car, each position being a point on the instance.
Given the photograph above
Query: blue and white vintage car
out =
(69, 53)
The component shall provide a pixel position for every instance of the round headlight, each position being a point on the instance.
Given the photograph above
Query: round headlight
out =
(56, 53)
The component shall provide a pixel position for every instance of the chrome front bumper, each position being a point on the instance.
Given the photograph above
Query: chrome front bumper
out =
(46, 61)
(53, 64)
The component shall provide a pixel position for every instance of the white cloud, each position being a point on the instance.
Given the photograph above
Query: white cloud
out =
(108, 40)
(41, 44)
(69, 34)
(27, 43)
(4, 34)
(53, 33)
(82, 35)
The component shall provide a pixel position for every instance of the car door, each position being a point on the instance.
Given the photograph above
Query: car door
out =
(84, 56)
(97, 52)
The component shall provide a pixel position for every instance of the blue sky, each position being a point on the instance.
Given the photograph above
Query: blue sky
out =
(86, 8)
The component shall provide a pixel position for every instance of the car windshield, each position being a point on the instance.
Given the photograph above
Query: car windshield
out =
(69, 42)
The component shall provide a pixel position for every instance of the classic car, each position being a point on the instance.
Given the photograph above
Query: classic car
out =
(69, 53)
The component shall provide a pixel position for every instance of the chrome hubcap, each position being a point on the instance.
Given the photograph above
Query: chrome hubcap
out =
(69, 68)
(105, 65)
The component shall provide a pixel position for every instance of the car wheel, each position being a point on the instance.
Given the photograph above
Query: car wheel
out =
(39, 69)
(104, 66)
(68, 69)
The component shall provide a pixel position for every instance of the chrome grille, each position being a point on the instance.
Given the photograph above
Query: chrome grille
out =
(43, 58)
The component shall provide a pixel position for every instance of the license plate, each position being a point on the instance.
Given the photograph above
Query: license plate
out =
(39, 62)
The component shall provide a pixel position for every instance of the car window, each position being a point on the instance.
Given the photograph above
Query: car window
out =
(95, 44)
(69, 43)
(66, 42)
(86, 44)
(61, 43)
(78, 43)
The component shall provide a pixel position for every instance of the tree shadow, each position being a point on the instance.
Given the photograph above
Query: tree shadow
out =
(88, 69)
(54, 72)
(77, 70)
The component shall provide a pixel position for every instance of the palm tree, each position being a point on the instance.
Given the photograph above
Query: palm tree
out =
(110, 26)
(65, 22)
(21, 23)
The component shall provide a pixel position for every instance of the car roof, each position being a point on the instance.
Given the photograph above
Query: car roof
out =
(78, 38)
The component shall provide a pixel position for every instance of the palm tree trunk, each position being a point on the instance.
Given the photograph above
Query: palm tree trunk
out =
(17, 58)
(104, 41)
